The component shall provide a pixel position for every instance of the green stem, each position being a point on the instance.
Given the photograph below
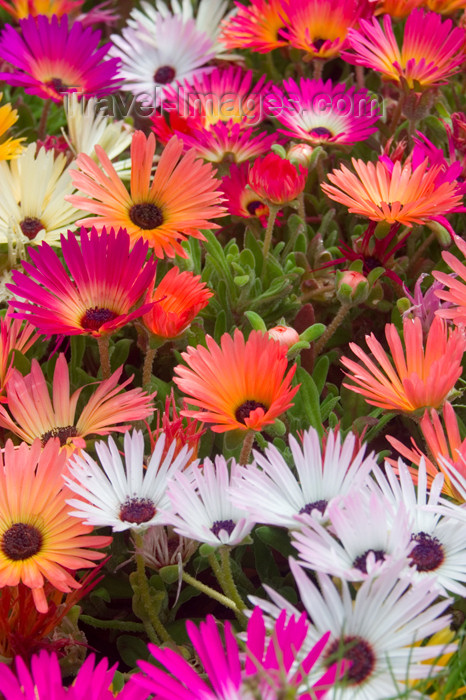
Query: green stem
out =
(103, 342)
(211, 592)
(144, 590)
(302, 211)
(419, 252)
(229, 582)
(247, 447)
(122, 625)
(330, 330)
(272, 70)
(318, 68)
(147, 368)
(273, 211)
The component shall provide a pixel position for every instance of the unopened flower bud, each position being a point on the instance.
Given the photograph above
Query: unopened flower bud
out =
(300, 153)
(352, 287)
(285, 335)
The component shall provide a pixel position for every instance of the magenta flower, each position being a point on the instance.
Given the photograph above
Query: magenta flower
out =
(271, 664)
(52, 59)
(104, 281)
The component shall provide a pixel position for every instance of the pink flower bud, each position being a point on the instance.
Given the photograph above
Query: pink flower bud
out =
(352, 287)
(300, 153)
(285, 335)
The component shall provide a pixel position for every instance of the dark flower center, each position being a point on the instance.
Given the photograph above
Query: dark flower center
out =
(164, 75)
(137, 510)
(370, 263)
(146, 216)
(58, 85)
(428, 553)
(318, 43)
(361, 561)
(252, 207)
(62, 433)
(227, 525)
(321, 131)
(243, 411)
(21, 541)
(94, 318)
(315, 505)
(356, 650)
(31, 226)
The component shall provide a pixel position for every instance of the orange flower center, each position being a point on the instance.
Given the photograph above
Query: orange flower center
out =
(137, 510)
(31, 226)
(428, 554)
(63, 434)
(164, 75)
(356, 650)
(246, 408)
(147, 216)
(21, 541)
(94, 318)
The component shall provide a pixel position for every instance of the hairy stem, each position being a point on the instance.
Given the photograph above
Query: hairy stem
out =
(211, 592)
(330, 330)
(247, 447)
(144, 591)
(273, 211)
(103, 342)
(147, 368)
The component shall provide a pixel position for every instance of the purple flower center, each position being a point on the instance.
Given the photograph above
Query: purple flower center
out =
(356, 650)
(63, 433)
(137, 510)
(227, 525)
(243, 411)
(315, 505)
(428, 553)
(318, 43)
(252, 207)
(58, 85)
(21, 542)
(147, 216)
(164, 75)
(321, 131)
(361, 561)
(94, 318)
(31, 226)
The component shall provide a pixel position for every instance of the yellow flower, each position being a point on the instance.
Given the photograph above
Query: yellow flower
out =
(10, 148)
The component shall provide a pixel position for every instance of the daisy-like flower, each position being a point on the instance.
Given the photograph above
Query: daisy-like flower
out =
(52, 59)
(367, 533)
(19, 9)
(174, 50)
(276, 179)
(397, 8)
(424, 304)
(443, 448)
(177, 299)
(92, 292)
(37, 416)
(10, 147)
(431, 51)
(438, 552)
(256, 26)
(125, 496)
(320, 27)
(33, 187)
(38, 539)
(456, 285)
(272, 494)
(181, 200)
(272, 665)
(240, 199)
(416, 377)
(377, 630)
(395, 192)
(239, 384)
(201, 506)
(14, 335)
(320, 112)
(230, 144)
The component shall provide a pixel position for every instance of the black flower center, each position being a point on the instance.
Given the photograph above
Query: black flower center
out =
(94, 318)
(227, 525)
(21, 541)
(164, 75)
(321, 131)
(370, 263)
(252, 207)
(31, 226)
(62, 433)
(147, 216)
(243, 411)
(428, 553)
(315, 505)
(137, 510)
(361, 561)
(356, 650)
(318, 43)
(58, 85)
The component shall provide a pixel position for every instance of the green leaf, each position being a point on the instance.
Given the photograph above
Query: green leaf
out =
(220, 325)
(277, 538)
(131, 649)
(256, 321)
(306, 401)
(320, 372)
(119, 353)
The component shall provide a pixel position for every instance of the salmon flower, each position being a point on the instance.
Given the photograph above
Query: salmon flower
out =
(456, 294)
(239, 384)
(178, 299)
(180, 201)
(13, 336)
(35, 415)
(431, 51)
(443, 448)
(39, 541)
(415, 377)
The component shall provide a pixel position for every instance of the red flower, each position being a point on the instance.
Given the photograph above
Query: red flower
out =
(277, 180)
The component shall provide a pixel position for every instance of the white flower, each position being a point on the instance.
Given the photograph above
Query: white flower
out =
(269, 490)
(124, 496)
(377, 630)
(201, 506)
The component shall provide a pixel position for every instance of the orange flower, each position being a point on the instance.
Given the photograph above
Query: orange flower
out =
(179, 297)
(24, 8)
(397, 8)
(456, 295)
(445, 7)
(181, 200)
(256, 26)
(38, 539)
(239, 385)
(449, 448)
(415, 378)
(409, 196)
